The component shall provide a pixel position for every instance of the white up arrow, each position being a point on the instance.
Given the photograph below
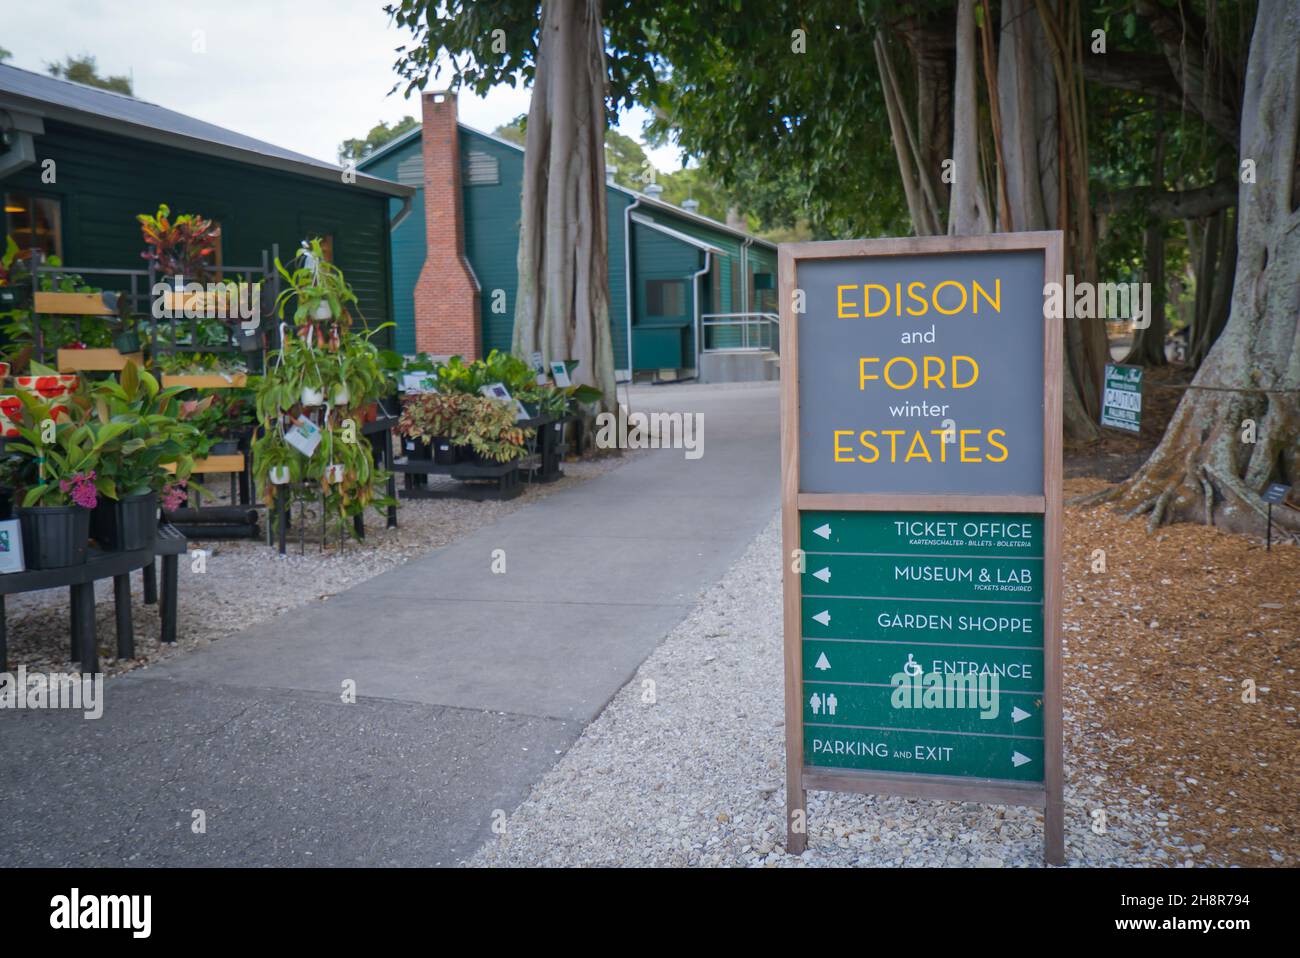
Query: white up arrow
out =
(823, 663)
(824, 530)
(823, 574)
(1017, 759)
(824, 617)
(1018, 714)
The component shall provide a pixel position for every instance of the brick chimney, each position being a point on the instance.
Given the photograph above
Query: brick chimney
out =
(446, 294)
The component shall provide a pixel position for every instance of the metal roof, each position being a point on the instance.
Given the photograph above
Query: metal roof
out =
(675, 234)
(87, 106)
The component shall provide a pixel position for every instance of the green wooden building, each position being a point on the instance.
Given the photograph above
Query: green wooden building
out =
(688, 295)
(79, 163)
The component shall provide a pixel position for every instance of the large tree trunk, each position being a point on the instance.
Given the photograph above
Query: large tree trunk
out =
(1148, 347)
(968, 211)
(1030, 106)
(1205, 467)
(562, 308)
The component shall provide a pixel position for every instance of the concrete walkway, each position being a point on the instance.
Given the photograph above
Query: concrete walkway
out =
(469, 684)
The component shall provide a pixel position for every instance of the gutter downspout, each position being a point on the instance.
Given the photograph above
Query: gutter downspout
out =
(744, 275)
(699, 306)
(408, 203)
(627, 277)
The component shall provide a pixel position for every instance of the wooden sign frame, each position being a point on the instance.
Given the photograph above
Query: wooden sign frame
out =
(799, 778)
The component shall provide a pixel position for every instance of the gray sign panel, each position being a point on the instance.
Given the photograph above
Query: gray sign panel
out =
(922, 374)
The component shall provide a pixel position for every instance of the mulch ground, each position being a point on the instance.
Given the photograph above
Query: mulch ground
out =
(1160, 650)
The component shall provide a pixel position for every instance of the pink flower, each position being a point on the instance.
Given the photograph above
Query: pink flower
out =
(82, 486)
(174, 495)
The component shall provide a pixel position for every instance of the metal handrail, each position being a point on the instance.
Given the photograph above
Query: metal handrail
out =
(766, 338)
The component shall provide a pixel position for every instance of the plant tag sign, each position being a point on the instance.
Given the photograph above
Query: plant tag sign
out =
(535, 360)
(303, 435)
(1275, 492)
(417, 383)
(1121, 403)
(560, 373)
(921, 510)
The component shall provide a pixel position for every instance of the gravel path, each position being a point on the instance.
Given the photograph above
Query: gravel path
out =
(247, 582)
(696, 776)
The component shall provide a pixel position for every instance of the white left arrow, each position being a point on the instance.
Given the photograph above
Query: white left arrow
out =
(1017, 759)
(1018, 714)
(824, 530)
(824, 617)
(823, 574)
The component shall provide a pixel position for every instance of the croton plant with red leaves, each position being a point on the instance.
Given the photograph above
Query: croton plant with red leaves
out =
(179, 247)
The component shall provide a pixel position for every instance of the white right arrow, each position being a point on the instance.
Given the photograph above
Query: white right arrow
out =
(1018, 714)
(823, 574)
(824, 530)
(1017, 759)
(824, 617)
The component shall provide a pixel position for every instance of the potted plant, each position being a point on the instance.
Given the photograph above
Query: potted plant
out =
(127, 340)
(491, 433)
(317, 286)
(147, 435)
(302, 370)
(60, 485)
(275, 463)
(433, 422)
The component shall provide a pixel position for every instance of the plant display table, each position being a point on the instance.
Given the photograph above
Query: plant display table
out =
(81, 579)
(506, 475)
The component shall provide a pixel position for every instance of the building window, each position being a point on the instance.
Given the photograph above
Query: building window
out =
(34, 222)
(665, 297)
(481, 169)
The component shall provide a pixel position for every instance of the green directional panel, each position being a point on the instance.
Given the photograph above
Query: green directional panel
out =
(1016, 670)
(1001, 713)
(924, 577)
(925, 752)
(901, 620)
(939, 597)
(923, 533)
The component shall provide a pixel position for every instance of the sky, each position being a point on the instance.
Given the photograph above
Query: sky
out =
(302, 75)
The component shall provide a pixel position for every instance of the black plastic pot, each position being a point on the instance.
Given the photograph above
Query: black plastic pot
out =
(126, 343)
(54, 536)
(226, 447)
(126, 524)
(444, 453)
(249, 341)
(6, 503)
(417, 449)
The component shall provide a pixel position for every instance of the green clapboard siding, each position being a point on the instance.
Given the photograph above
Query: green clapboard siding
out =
(407, 244)
(492, 242)
(104, 181)
(660, 342)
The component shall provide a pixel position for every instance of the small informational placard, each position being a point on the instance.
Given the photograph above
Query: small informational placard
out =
(499, 391)
(560, 373)
(11, 547)
(1121, 403)
(1275, 492)
(418, 383)
(303, 435)
(539, 367)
